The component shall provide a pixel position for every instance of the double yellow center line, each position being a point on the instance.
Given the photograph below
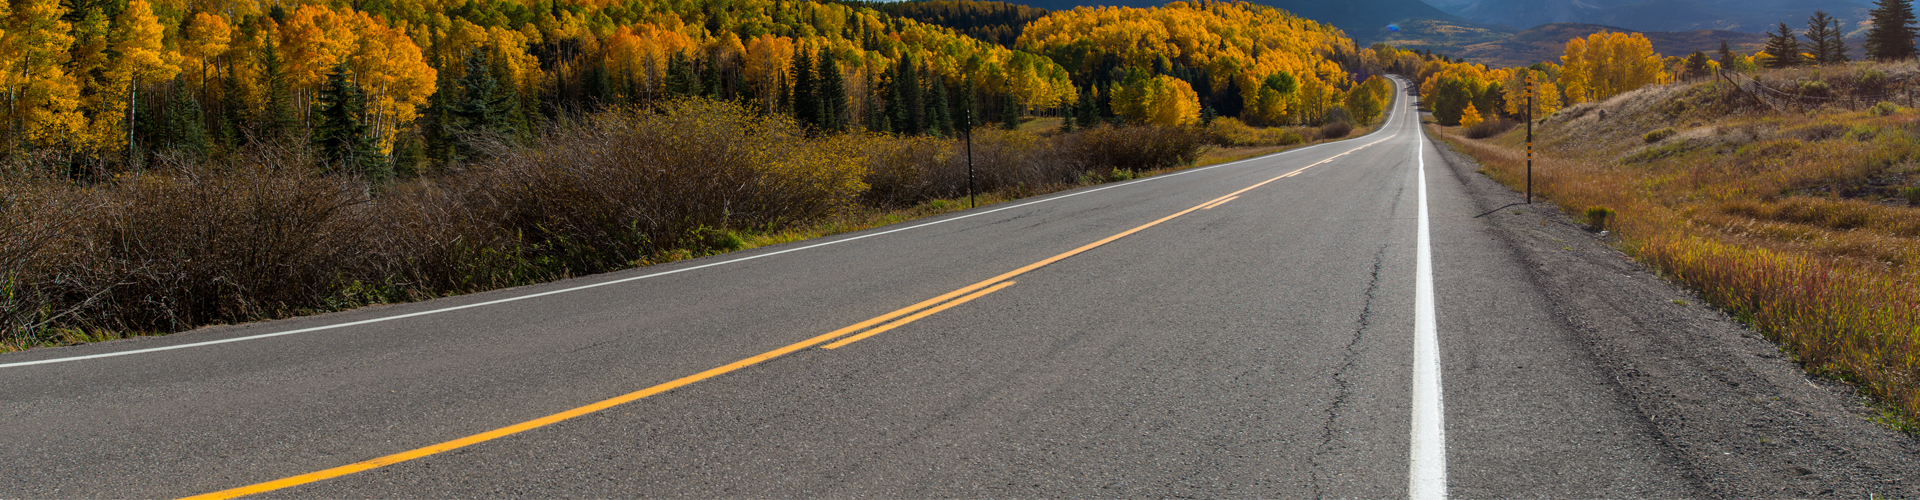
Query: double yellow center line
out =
(866, 329)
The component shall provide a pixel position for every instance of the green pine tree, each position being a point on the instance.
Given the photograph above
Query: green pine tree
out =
(1697, 64)
(806, 95)
(1785, 49)
(1824, 39)
(909, 109)
(833, 93)
(1009, 112)
(1087, 109)
(483, 110)
(185, 126)
(1890, 38)
(680, 80)
(339, 131)
(939, 120)
(276, 120)
(233, 111)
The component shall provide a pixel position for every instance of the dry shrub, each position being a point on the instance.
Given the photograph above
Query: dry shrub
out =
(1231, 132)
(902, 171)
(35, 221)
(1490, 128)
(1135, 148)
(263, 233)
(609, 188)
(191, 246)
(1336, 130)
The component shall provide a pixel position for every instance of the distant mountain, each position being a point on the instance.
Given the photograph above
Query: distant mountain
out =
(1365, 21)
(1753, 16)
(1546, 42)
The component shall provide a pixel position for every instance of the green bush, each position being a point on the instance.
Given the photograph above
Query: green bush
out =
(1885, 108)
(1599, 218)
(1659, 135)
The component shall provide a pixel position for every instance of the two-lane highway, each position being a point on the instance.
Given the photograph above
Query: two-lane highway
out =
(1254, 329)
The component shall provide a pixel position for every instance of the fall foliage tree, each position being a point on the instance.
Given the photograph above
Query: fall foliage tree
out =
(1470, 116)
(1603, 65)
(1370, 99)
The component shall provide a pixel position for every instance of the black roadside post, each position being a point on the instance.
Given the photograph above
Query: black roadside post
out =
(1529, 137)
(969, 127)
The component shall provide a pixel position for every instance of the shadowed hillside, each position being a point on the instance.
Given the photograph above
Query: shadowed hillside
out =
(1547, 42)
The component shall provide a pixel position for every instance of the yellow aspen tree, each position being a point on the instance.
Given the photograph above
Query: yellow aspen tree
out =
(1173, 102)
(768, 59)
(395, 76)
(1470, 116)
(205, 38)
(1369, 100)
(46, 99)
(139, 58)
(1546, 95)
(1576, 71)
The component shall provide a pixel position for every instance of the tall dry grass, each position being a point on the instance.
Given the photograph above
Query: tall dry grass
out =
(264, 233)
(1786, 220)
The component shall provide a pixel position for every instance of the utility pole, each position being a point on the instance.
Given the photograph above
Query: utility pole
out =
(969, 127)
(1529, 137)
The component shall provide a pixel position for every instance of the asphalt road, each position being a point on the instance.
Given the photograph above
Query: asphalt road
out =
(1260, 347)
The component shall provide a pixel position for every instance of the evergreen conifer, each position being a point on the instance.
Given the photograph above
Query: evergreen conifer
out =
(1890, 36)
(833, 93)
(339, 131)
(1784, 48)
(1823, 39)
(806, 97)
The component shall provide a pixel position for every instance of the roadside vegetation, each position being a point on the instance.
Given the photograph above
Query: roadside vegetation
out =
(267, 233)
(1790, 198)
(166, 165)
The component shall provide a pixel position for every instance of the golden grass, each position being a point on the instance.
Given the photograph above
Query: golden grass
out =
(1788, 220)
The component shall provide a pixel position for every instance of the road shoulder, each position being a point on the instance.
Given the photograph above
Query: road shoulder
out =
(1746, 421)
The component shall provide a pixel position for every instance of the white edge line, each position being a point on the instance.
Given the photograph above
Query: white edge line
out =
(1427, 460)
(675, 271)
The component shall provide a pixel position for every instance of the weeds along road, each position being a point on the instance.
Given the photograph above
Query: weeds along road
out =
(1253, 334)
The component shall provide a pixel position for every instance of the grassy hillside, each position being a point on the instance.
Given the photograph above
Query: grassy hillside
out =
(1792, 200)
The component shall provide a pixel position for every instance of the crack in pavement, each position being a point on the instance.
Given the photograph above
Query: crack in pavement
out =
(1361, 322)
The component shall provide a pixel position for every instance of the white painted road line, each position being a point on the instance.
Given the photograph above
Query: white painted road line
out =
(1427, 461)
(675, 271)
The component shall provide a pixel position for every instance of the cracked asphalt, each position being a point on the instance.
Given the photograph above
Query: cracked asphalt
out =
(1258, 348)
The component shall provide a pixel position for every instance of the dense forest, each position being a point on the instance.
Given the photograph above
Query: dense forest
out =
(387, 88)
(997, 22)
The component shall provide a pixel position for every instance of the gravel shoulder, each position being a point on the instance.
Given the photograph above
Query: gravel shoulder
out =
(1744, 420)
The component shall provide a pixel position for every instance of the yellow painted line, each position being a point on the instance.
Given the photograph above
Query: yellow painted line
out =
(1223, 202)
(1001, 281)
(917, 316)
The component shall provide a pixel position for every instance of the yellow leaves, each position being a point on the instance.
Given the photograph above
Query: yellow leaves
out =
(1237, 42)
(1606, 64)
(1545, 94)
(1174, 103)
(1471, 116)
(205, 37)
(768, 59)
(1369, 100)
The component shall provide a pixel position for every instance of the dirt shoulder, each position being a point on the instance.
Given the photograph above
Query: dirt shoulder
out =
(1746, 421)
